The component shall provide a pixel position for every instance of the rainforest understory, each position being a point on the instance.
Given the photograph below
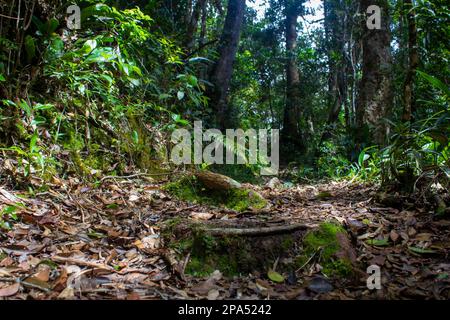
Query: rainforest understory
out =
(95, 96)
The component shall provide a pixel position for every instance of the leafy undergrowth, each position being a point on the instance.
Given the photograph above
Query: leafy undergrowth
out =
(77, 241)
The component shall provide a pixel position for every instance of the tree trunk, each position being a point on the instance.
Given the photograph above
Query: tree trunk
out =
(291, 130)
(336, 34)
(192, 24)
(408, 90)
(221, 73)
(375, 94)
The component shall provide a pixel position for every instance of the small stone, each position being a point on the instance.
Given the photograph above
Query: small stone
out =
(320, 285)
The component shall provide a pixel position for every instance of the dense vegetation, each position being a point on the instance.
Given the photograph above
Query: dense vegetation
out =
(361, 102)
(369, 103)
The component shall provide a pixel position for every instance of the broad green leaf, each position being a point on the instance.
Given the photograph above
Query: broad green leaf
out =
(107, 78)
(52, 25)
(275, 276)
(435, 82)
(88, 46)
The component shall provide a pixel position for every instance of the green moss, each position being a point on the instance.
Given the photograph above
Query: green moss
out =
(243, 199)
(325, 240)
(209, 253)
(191, 190)
(198, 268)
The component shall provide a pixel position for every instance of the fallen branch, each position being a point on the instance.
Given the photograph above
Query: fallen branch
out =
(258, 231)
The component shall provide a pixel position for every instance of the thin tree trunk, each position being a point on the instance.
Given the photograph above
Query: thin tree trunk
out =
(291, 130)
(408, 90)
(193, 24)
(221, 73)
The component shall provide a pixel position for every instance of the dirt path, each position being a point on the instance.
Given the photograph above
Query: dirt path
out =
(81, 243)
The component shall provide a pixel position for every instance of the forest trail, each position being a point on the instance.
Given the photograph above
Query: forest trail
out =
(79, 242)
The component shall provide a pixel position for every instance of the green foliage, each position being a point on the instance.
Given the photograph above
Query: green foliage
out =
(32, 155)
(7, 215)
(420, 150)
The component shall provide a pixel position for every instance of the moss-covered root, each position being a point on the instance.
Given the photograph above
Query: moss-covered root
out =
(330, 244)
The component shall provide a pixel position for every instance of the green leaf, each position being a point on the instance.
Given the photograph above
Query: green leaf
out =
(33, 143)
(135, 137)
(192, 80)
(30, 48)
(275, 276)
(199, 59)
(112, 206)
(164, 96)
(2, 78)
(363, 156)
(420, 250)
(25, 107)
(94, 234)
(88, 46)
(52, 25)
(40, 106)
(435, 82)
(39, 25)
(378, 242)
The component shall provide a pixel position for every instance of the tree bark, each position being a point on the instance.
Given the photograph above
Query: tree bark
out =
(221, 73)
(291, 127)
(375, 94)
(408, 90)
(192, 24)
(336, 34)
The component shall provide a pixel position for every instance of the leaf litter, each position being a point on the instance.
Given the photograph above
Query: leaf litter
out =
(78, 241)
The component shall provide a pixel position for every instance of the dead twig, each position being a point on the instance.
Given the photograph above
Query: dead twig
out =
(84, 263)
(309, 260)
(136, 175)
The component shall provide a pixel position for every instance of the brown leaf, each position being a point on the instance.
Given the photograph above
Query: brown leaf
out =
(394, 235)
(6, 262)
(9, 290)
(411, 231)
(61, 282)
(44, 274)
(423, 237)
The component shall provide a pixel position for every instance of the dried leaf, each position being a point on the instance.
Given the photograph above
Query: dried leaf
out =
(9, 290)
